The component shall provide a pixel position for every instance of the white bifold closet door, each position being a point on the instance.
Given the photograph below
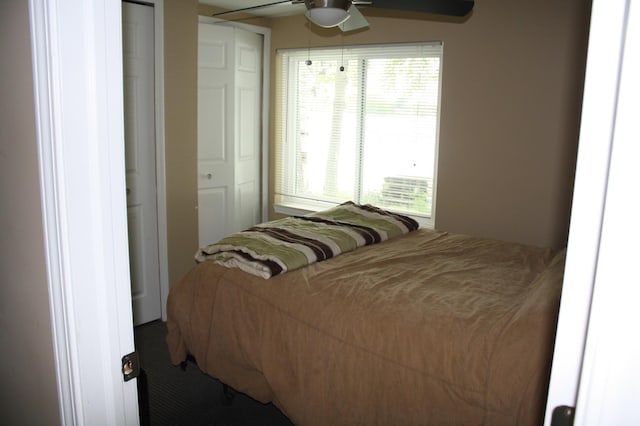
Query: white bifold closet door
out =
(229, 123)
(140, 160)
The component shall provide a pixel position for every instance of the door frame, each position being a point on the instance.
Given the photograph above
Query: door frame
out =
(78, 95)
(266, 82)
(594, 368)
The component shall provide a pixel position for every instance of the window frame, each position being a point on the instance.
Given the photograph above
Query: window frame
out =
(286, 151)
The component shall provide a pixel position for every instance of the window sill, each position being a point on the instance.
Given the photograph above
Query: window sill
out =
(292, 210)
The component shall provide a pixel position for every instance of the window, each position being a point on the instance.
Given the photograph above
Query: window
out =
(360, 124)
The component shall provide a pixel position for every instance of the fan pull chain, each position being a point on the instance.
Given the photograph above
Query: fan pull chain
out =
(308, 61)
(342, 52)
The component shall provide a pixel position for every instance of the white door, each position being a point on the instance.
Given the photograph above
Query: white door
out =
(140, 160)
(594, 363)
(229, 138)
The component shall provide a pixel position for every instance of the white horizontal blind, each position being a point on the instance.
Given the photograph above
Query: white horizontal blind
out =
(359, 123)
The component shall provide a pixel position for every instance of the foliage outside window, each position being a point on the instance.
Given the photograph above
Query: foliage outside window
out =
(361, 124)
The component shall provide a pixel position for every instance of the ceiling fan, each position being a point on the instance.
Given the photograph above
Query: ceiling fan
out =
(346, 15)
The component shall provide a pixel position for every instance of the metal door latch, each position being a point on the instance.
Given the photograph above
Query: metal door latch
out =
(130, 366)
(563, 415)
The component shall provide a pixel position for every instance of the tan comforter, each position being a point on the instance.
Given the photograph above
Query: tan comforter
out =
(429, 328)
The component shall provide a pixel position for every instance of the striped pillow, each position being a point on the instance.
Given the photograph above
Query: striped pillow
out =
(273, 248)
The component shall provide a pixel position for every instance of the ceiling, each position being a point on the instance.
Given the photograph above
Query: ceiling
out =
(282, 9)
(288, 9)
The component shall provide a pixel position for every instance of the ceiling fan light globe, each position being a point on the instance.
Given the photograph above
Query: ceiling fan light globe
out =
(327, 17)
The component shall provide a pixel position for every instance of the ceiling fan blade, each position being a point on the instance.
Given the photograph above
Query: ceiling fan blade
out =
(440, 7)
(247, 9)
(356, 20)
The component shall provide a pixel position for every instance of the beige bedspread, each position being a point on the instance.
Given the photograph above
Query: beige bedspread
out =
(429, 328)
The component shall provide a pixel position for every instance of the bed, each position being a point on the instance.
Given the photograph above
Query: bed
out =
(425, 327)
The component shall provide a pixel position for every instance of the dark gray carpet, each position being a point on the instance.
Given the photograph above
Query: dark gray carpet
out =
(190, 397)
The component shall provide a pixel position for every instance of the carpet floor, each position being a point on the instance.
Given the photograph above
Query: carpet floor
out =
(189, 397)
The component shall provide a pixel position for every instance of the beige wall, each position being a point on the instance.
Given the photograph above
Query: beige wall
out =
(180, 73)
(28, 393)
(511, 98)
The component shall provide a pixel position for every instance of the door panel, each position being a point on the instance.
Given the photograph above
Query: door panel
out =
(212, 204)
(211, 128)
(248, 209)
(248, 124)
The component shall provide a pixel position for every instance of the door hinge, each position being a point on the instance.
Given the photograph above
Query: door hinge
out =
(563, 415)
(130, 366)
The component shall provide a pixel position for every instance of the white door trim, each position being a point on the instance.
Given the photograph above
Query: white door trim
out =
(266, 81)
(77, 68)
